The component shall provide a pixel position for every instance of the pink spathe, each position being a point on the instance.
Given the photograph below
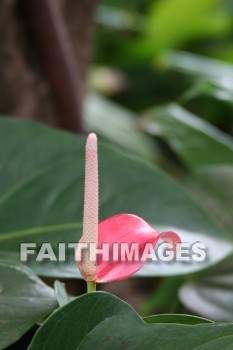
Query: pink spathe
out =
(129, 229)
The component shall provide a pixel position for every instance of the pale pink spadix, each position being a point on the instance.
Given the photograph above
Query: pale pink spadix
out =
(91, 206)
(121, 229)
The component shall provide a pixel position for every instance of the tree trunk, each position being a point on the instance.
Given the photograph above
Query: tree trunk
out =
(25, 86)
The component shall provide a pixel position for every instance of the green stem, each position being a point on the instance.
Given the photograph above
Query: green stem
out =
(91, 286)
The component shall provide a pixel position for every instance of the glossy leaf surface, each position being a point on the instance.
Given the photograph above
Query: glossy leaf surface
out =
(24, 300)
(109, 323)
(48, 179)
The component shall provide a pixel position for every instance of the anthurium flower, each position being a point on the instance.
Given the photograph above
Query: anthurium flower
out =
(122, 242)
(133, 238)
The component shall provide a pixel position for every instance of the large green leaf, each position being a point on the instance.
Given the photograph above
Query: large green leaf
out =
(24, 300)
(195, 141)
(67, 327)
(124, 331)
(41, 200)
(105, 322)
(211, 295)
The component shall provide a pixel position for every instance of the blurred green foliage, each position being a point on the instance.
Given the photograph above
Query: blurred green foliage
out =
(136, 36)
(167, 67)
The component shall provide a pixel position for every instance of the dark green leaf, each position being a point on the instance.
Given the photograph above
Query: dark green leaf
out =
(68, 327)
(24, 300)
(41, 199)
(105, 322)
(126, 332)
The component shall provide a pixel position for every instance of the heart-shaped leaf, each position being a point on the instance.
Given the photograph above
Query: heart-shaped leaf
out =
(24, 300)
(67, 327)
(41, 199)
(126, 332)
(105, 322)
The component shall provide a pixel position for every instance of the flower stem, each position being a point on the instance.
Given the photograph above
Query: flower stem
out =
(91, 286)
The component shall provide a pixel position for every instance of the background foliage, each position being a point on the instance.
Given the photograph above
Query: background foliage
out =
(171, 64)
